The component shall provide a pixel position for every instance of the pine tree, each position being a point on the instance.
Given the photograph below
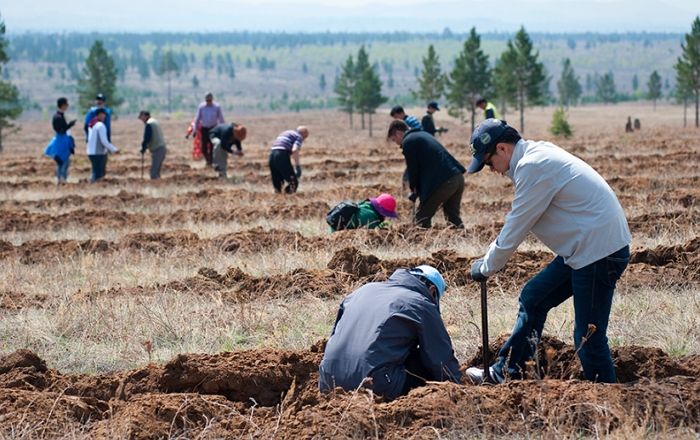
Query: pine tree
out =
(654, 87)
(10, 107)
(99, 76)
(361, 66)
(344, 86)
(504, 84)
(683, 93)
(568, 85)
(635, 82)
(470, 78)
(168, 66)
(368, 89)
(520, 65)
(688, 66)
(431, 83)
(322, 82)
(605, 88)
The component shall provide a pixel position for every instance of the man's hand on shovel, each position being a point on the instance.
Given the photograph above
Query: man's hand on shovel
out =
(475, 273)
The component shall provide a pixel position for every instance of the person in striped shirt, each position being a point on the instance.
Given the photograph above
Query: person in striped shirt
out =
(286, 147)
(398, 113)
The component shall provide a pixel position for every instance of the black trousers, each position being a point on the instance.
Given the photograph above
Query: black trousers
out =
(205, 144)
(449, 196)
(416, 373)
(282, 171)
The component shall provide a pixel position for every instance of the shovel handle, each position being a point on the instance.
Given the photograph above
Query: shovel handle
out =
(484, 328)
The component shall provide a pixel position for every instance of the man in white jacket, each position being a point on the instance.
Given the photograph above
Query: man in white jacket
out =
(98, 145)
(568, 206)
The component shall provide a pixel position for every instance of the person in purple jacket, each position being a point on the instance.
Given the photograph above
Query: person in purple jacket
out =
(286, 147)
(208, 116)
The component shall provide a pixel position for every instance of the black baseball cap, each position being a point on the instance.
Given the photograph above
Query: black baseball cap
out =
(100, 97)
(396, 109)
(433, 104)
(484, 140)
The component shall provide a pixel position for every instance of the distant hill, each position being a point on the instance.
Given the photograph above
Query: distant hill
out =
(253, 72)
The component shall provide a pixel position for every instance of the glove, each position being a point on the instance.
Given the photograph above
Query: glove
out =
(298, 171)
(412, 196)
(476, 274)
(143, 150)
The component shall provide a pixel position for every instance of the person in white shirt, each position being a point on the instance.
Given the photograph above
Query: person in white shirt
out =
(568, 206)
(98, 145)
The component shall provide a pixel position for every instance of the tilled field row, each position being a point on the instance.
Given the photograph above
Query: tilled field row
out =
(20, 220)
(349, 268)
(268, 393)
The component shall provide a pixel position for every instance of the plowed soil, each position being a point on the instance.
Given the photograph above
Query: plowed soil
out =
(262, 392)
(192, 218)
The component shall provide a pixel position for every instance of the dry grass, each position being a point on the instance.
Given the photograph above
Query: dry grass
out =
(107, 332)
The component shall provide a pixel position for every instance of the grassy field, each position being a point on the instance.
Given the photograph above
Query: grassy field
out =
(124, 280)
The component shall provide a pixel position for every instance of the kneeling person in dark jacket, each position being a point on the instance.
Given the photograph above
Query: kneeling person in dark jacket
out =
(391, 332)
(434, 175)
(371, 214)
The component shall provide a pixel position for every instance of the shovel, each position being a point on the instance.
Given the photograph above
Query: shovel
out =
(484, 330)
(142, 165)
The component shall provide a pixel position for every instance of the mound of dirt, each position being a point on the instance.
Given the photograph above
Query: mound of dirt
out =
(37, 251)
(266, 393)
(351, 261)
(258, 239)
(160, 241)
(685, 254)
(10, 300)
(556, 359)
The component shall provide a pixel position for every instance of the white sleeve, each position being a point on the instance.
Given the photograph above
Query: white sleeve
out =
(534, 191)
(102, 133)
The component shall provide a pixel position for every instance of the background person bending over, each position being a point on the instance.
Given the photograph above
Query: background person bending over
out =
(434, 176)
(223, 137)
(391, 332)
(572, 210)
(398, 113)
(154, 142)
(286, 147)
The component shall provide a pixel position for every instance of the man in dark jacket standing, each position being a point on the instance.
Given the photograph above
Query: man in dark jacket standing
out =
(391, 332)
(434, 176)
(154, 142)
(428, 123)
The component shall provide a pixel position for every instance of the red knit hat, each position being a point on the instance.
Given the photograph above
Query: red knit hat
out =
(385, 205)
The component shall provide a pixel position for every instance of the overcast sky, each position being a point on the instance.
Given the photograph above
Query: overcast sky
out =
(349, 15)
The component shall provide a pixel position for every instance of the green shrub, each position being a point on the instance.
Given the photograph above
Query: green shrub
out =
(560, 125)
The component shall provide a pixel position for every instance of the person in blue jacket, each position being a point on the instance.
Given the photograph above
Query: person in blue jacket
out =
(100, 101)
(62, 146)
(392, 333)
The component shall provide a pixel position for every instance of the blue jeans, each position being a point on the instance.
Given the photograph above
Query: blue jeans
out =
(592, 287)
(62, 169)
(99, 166)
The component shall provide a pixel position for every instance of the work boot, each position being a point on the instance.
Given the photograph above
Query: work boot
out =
(476, 376)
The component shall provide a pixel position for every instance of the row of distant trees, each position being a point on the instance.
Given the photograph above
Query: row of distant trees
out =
(359, 88)
(519, 80)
